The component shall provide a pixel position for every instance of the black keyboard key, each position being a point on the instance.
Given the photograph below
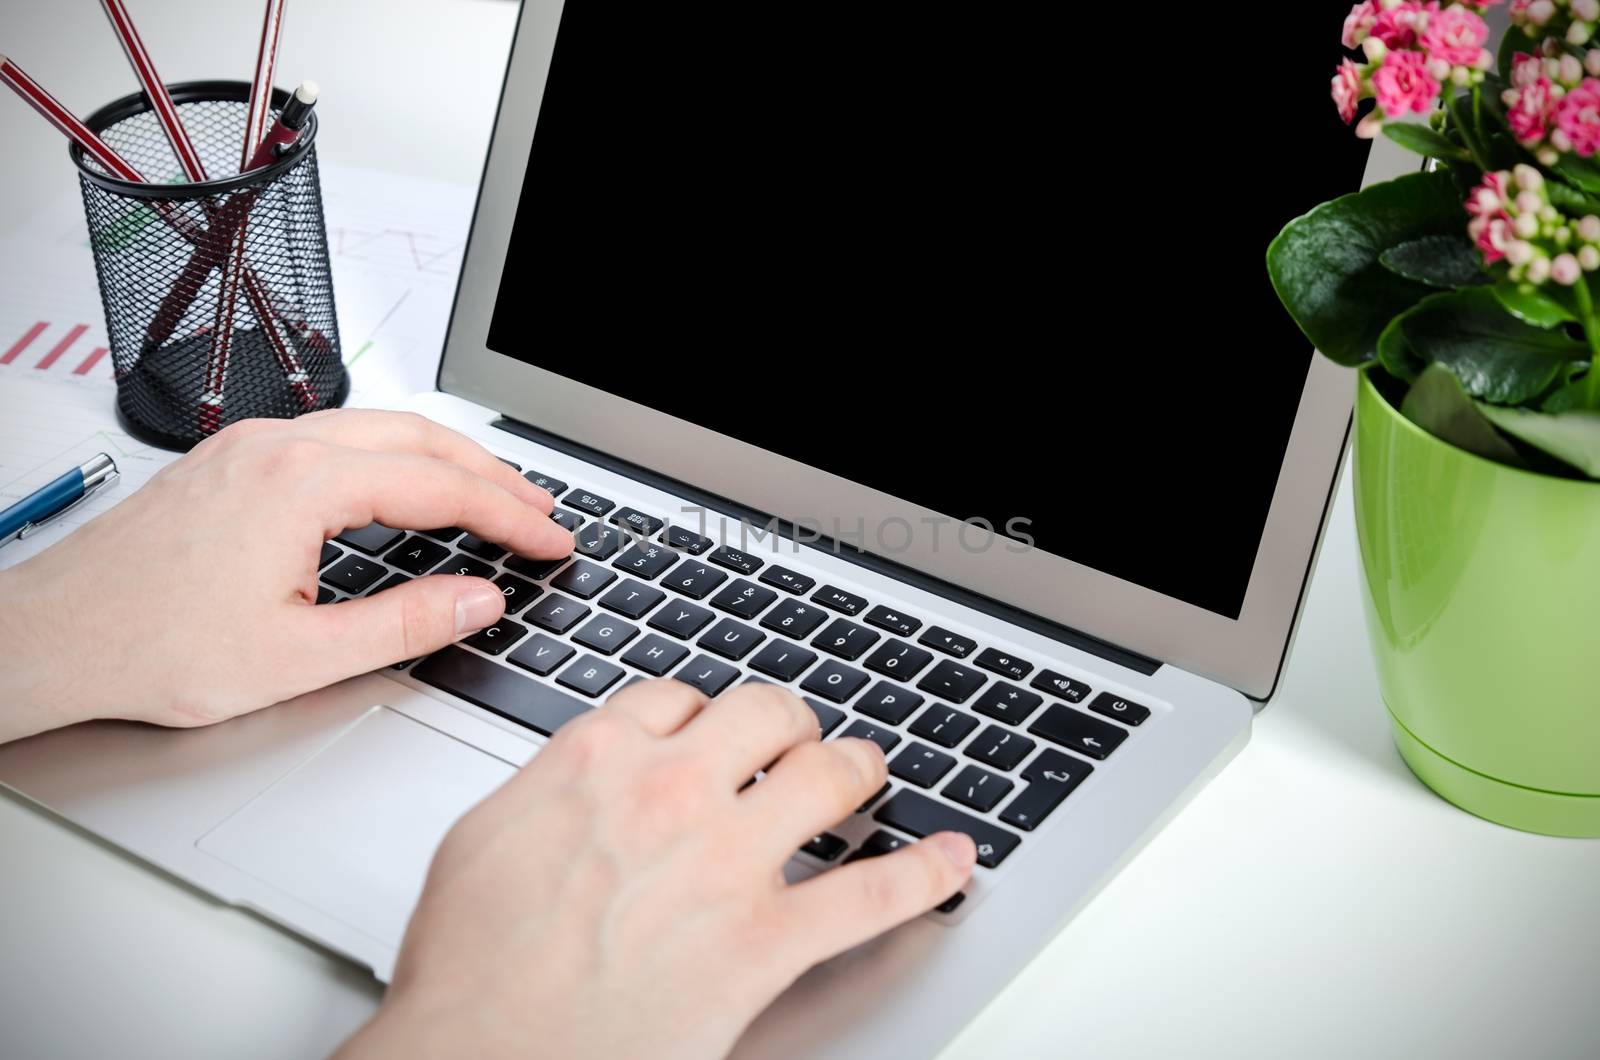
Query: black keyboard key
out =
(541, 654)
(537, 569)
(388, 583)
(1051, 778)
(466, 567)
(495, 639)
(499, 688)
(742, 598)
(325, 595)
(637, 522)
(707, 674)
(567, 520)
(446, 534)
(731, 640)
(866, 730)
(354, 574)
(943, 726)
(481, 548)
(655, 655)
(694, 579)
(916, 814)
(685, 540)
(417, 555)
(951, 904)
(893, 621)
(921, 765)
(794, 619)
(372, 538)
(825, 847)
(1124, 710)
(646, 561)
(878, 844)
(597, 540)
(518, 593)
(896, 658)
(952, 682)
(631, 598)
(783, 660)
(553, 486)
(889, 703)
(1007, 703)
(556, 613)
(834, 681)
(1061, 685)
(512, 464)
(839, 600)
(733, 559)
(330, 552)
(874, 797)
(1000, 748)
(587, 502)
(1075, 729)
(583, 579)
(828, 718)
(846, 639)
(589, 675)
(1003, 663)
(682, 620)
(788, 580)
(978, 789)
(605, 634)
(940, 639)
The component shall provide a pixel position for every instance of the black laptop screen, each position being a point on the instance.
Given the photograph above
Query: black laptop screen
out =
(939, 252)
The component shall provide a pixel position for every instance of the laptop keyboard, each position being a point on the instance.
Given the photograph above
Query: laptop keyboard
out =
(977, 739)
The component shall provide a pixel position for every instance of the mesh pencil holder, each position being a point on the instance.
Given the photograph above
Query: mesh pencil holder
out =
(218, 295)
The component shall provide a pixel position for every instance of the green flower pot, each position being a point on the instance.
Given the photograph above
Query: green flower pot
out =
(1483, 604)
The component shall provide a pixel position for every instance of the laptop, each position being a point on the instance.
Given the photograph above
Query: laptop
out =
(757, 319)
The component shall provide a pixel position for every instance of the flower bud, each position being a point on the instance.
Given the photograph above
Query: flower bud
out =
(1528, 179)
(1588, 10)
(1589, 229)
(1571, 68)
(1528, 202)
(1579, 33)
(1541, 11)
(1519, 252)
(1591, 63)
(1374, 49)
(1538, 270)
(1589, 258)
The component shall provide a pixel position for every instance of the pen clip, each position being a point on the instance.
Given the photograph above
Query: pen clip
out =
(28, 529)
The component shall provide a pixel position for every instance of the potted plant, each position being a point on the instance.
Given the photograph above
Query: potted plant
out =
(1468, 296)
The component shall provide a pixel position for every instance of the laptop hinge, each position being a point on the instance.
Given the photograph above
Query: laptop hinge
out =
(733, 509)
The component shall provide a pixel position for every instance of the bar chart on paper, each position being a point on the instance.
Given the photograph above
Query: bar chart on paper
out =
(64, 348)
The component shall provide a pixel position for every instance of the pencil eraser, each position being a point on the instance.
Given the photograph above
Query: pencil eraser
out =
(307, 92)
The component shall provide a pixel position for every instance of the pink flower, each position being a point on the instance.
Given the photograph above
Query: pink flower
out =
(1397, 26)
(1455, 36)
(1403, 83)
(1493, 235)
(1358, 23)
(1526, 69)
(1347, 90)
(1488, 199)
(1529, 116)
(1578, 117)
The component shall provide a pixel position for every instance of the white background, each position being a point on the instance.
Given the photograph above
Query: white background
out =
(1314, 901)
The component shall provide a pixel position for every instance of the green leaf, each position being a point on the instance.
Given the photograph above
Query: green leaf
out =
(1423, 140)
(1495, 356)
(1570, 200)
(1513, 42)
(1532, 305)
(1438, 261)
(1571, 437)
(1581, 173)
(1438, 405)
(1396, 354)
(1325, 266)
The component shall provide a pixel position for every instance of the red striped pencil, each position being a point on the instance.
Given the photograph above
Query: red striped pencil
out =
(154, 89)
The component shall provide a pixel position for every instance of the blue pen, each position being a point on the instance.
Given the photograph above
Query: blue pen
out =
(58, 498)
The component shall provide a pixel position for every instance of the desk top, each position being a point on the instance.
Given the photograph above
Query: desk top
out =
(1314, 900)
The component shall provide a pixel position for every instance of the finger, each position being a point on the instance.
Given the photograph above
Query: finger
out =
(405, 622)
(813, 788)
(831, 913)
(745, 730)
(355, 487)
(660, 707)
(408, 432)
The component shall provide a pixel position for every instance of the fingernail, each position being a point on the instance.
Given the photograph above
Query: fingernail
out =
(479, 607)
(958, 848)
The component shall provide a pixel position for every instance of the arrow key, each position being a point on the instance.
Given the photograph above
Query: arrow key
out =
(1077, 731)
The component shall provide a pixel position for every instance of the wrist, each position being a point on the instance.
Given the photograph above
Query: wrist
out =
(37, 652)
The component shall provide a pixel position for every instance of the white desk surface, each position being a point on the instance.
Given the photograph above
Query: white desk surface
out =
(1315, 900)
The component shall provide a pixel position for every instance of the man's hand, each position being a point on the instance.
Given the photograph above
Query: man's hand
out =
(193, 600)
(621, 896)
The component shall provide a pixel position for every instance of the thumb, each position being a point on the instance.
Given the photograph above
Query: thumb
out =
(405, 622)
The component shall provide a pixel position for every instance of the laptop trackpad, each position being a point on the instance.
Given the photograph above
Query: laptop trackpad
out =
(351, 830)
